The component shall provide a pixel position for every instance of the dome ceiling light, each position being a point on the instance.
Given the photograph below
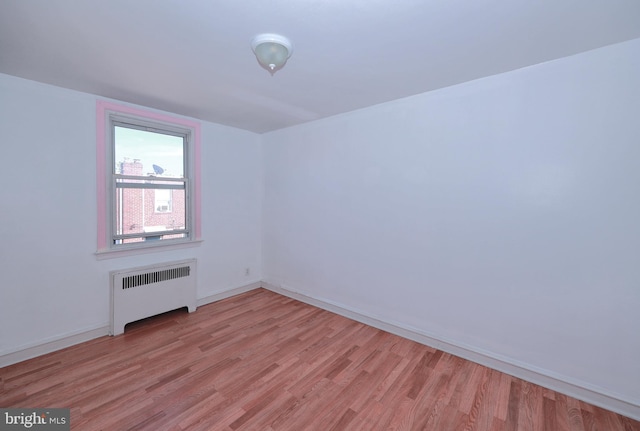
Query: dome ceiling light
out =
(272, 51)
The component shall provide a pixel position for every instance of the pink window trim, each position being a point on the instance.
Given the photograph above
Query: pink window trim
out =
(101, 162)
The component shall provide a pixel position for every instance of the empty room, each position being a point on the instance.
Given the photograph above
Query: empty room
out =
(323, 215)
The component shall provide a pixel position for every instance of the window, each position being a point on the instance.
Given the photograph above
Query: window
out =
(149, 194)
(162, 199)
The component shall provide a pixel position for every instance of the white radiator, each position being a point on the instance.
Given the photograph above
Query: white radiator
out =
(138, 293)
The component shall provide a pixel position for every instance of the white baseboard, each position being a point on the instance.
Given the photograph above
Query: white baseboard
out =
(229, 293)
(43, 347)
(51, 345)
(565, 385)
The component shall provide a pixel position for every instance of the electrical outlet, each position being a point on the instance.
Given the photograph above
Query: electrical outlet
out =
(247, 271)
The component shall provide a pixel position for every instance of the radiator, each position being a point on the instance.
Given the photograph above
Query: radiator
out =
(139, 293)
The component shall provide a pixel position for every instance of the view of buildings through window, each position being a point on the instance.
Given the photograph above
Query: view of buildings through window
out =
(150, 184)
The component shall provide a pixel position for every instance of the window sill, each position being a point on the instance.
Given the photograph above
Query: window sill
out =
(112, 254)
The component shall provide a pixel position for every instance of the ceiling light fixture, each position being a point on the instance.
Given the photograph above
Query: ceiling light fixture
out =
(272, 51)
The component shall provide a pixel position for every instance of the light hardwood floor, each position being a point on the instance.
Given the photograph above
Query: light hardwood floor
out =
(261, 361)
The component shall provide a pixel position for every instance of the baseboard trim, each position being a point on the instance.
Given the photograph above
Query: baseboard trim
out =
(48, 346)
(544, 378)
(229, 293)
(23, 353)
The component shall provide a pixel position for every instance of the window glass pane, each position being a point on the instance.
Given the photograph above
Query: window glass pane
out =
(156, 202)
(137, 211)
(140, 152)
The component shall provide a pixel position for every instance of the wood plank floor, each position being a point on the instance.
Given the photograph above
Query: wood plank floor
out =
(261, 361)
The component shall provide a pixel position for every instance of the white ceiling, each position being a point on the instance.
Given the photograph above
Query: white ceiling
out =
(193, 57)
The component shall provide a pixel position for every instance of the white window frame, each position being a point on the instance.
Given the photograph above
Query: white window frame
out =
(108, 115)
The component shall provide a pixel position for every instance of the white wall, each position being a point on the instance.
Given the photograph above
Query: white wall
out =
(501, 215)
(51, 284)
